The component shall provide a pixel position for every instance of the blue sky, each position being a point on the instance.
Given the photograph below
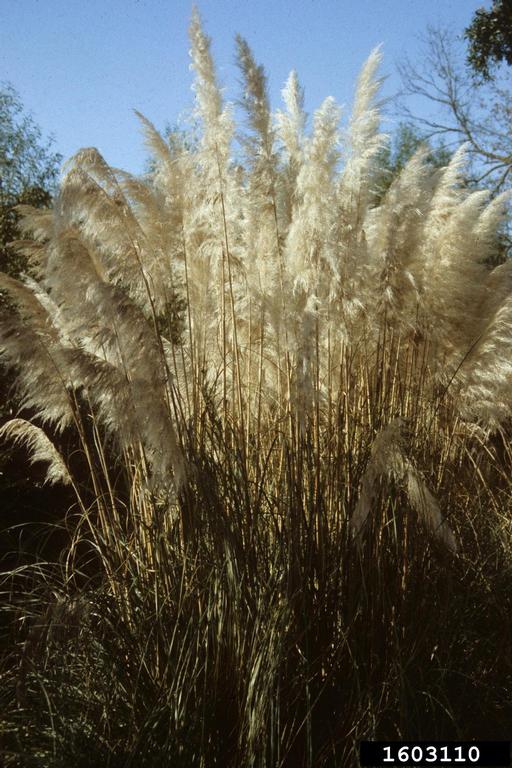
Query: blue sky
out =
(82, 66)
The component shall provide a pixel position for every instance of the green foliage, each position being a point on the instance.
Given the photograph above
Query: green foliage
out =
(28, 172)
(489, 38)
(26, 159)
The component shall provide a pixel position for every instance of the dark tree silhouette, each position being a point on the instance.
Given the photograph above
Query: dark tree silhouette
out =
(489, 38)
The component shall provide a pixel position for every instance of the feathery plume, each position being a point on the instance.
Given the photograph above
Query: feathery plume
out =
(40, 448)
(388, 460)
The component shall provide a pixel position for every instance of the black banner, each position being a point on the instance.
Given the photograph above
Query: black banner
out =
(494, 754)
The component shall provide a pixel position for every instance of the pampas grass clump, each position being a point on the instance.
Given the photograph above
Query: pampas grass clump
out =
(291, 411)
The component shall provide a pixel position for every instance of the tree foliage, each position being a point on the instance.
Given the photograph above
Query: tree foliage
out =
(28, 171)
(489, 38)
(26, 158)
